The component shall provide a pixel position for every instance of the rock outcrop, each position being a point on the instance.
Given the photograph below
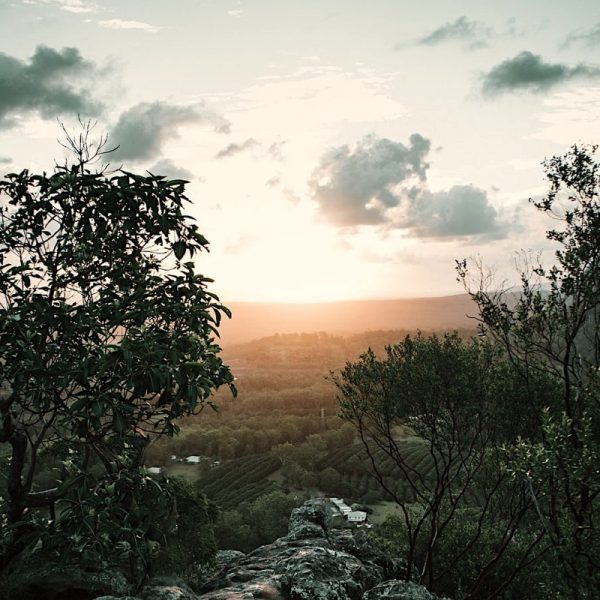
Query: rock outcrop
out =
(313, 562)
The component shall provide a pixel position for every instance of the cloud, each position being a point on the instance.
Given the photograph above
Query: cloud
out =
(141, 130)
(276, 150)
(461, 211)
(120, 24)
(236, 13)
(5, 160)
(235, 148)
(75, 6)
(169, 169)
(462, 29)
(357, 187)
(42, 85)
(381, 182)
(528, 71)
(589, 37)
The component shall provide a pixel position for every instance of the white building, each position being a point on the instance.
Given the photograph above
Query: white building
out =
(356, 516)
(193, 460)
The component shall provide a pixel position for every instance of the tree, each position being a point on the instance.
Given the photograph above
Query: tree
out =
(463, 401)
(107, 336)
(551, 325)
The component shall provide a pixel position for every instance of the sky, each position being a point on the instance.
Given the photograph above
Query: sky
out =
(335, 149)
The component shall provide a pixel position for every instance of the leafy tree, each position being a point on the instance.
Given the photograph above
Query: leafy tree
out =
(552, 326)
(252, 524)
(107, 336)
(463, 400)
(186, 539)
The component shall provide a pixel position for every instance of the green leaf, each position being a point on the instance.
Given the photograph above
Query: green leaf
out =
(179, 249)
(119, 423)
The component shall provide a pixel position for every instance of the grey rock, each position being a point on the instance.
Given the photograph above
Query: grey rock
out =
(228, 558)
(313, 562)
(117, 598)
(325, 574)
(268, 589)
(308, 521)
(399, 590)
(168, 592)
(60, 579)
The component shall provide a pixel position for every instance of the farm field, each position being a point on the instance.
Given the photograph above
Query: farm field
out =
(281, 440)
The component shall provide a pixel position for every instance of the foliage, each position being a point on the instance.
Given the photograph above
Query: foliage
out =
(188, 540)
(107, 336)
(464, 402)
(252, 524)
(551, 325)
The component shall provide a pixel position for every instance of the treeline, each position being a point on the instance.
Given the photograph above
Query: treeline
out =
(229, 437)
(289, 372)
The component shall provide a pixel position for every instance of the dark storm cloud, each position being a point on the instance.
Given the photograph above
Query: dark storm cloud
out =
(141, 131)
(169, 169)
(357, 187)
(462, 29)
(461, 211)
(382, 182)
(44, 85)
(589, 38)
(528, 71)
(235, 148)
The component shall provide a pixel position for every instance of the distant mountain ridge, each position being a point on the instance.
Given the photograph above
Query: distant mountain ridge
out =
(256, 320)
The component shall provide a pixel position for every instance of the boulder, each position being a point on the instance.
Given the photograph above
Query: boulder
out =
(167, 592)
(51, 580)
(395, 589)
(228, 558)
(308, 521)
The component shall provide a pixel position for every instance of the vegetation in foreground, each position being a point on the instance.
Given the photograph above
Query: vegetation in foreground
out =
(107, 337)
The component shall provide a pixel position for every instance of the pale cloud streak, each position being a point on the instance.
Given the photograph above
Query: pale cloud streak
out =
(129, 25)
(463, 29)
(237, 148)
(317, 97)
(74, 6)
(569, 116)
(588, 37)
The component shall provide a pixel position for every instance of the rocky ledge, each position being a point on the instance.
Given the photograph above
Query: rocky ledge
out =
(312, 562)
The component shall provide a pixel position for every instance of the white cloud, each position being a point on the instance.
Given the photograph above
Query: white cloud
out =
(121, 24)
(236, 13)
(74, 6)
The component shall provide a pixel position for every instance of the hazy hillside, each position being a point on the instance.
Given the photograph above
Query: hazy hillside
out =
(256, 320)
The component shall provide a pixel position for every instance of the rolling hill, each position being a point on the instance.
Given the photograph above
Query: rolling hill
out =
(255, 320)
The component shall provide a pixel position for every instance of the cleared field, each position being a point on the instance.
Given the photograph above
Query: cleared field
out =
(382, 510)
(190, 473)
(241, 480)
